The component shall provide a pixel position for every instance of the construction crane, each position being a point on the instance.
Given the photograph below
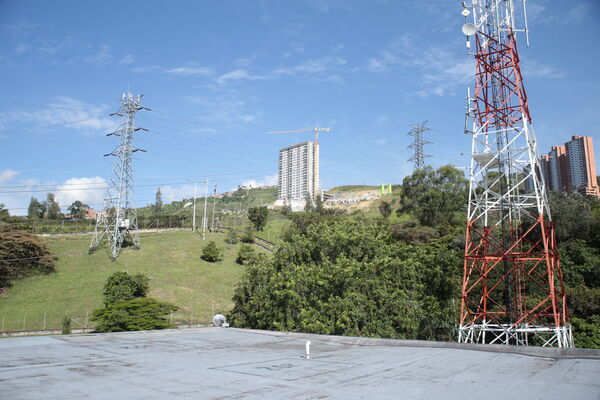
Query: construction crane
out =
(316, 130)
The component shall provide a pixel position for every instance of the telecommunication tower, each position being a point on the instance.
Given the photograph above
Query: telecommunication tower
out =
(417, 145)
(119, 218)
(512, 290)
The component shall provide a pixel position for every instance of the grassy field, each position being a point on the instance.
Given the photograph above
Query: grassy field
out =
(170, 259)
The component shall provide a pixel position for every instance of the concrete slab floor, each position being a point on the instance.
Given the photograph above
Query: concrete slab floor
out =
(219, 363)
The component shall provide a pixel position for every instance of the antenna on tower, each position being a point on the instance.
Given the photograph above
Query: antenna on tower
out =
(512, 290)
(417, 145)
(119, 218)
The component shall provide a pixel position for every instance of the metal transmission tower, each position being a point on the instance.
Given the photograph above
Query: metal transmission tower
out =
(512, 290)
(417, 145)
(119, 219)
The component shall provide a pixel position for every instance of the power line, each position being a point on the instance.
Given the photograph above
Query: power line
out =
(417, 145)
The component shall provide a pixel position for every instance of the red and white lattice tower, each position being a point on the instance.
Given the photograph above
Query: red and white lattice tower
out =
(512, 290)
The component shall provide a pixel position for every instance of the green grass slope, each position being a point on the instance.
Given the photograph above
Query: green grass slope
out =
(170, 259)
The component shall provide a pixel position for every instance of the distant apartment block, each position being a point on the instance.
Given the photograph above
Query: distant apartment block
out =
(298, 171)
(571, 167)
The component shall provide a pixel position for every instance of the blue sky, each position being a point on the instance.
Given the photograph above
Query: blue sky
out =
(217, 75)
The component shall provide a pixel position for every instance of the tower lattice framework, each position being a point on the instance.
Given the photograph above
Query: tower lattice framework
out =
(418, 158)
(118, 220)
(512, 290)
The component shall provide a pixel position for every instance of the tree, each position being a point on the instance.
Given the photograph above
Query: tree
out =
(36, 209)
(258, 216)
(121, 286)
(22, 255)
(344, 276)
(52, 207)
(3, 212)
(310, 204)
(563, 207)
(211, 252)
(158, 203)
(232, 236)
(133, 315)
(245, 254)
(435, 197)
(78, 209)
(319, 205)
(385, 209)
(66, 325)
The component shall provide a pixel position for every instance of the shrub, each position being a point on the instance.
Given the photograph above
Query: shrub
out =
(66, 325)
(121, 286)
(133, 315)
(211, 252)
(247, 235)
(22, 255)
(245, 254)
(232, 237)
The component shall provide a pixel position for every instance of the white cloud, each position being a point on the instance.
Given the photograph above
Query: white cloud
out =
(69, 112)
(103, 56)
(145, 68)
(269, 180)
(6, 175)
(87, 190)
(177, 193)
(380, 142)
(315, 66)
(223, 108)
(190, 70)
(238, 74)
(534, 69)
(128, 59)
(382, 119)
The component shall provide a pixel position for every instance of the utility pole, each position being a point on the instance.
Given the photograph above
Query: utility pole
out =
(204, 219)
(417, 145)
(212, 224)
(512, 290)
(119, 218)
(194, 213)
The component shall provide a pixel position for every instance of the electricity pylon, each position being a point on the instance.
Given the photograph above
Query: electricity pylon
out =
(417, 145)
(119, 218)
(512, 290)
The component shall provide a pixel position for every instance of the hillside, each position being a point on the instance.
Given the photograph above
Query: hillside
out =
(170, 259)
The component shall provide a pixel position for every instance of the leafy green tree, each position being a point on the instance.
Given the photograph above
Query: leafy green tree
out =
(22, 255)
(310, 204)
(435, 197)
(121, 286)
(3, 212)
(78, 209)
(52, 207)
(385, 209)
(245, 254)
(258, 216)
(36, 209)
(158, 203)
(319, 205)
(133, 315)
(339, 275)
(564, 206)
(211, 252)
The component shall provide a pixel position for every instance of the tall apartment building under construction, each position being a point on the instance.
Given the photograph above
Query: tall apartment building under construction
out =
(298, 172)
(571, 167)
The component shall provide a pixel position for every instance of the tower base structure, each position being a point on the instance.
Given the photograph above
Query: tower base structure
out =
(519, 335)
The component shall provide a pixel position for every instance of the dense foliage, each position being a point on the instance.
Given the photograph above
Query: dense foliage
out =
(133, 315)
(22, 255)
(121, 286)
(211, 252)
(339, 275)
(245, 254)
(126, 307)
(258, 217)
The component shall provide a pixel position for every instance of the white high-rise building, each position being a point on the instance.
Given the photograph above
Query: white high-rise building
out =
(298, 171)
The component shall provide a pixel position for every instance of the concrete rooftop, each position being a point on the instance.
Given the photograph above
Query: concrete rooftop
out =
(226, 363)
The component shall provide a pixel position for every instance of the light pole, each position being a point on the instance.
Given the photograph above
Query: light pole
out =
(194, 217)
(204, 219)
(212, 224)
